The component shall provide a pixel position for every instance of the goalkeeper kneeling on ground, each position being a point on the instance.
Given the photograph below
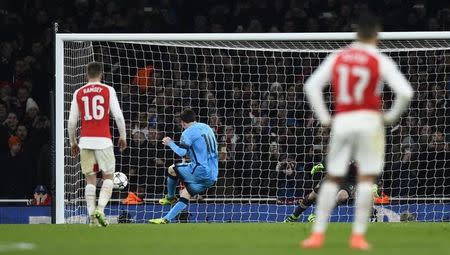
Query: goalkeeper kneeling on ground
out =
(345, 193)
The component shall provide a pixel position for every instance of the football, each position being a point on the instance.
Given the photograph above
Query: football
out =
(120, 180)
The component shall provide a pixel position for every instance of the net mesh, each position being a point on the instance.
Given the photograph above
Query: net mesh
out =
(251, 94)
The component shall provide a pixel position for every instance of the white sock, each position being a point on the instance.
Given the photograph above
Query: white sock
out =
(325, 203)
(105, 194)
(363, 206)
(89, 193)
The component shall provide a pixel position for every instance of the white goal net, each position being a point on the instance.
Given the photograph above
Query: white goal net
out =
(251, 94)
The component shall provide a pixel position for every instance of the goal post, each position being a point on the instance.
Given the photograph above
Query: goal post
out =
(225, 77)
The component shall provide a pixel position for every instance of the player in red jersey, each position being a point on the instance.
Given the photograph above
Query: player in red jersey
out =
(356, 73)
(94, 102)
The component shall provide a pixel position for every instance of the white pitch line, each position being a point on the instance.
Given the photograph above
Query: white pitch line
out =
(17, 247)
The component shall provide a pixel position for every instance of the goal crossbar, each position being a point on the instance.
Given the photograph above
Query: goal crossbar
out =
(249, 36)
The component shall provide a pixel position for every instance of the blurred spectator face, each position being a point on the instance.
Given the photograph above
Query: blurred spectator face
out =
(6, 50)
(28, 85)
(216, 28)
(22, 132)
(254, 105)
(282, 114)
(214, 120)
(272, 102)
(2, 112)
(32, 112)
(138, 137)
(12, 121)
(143, 118)
(274, 29)
(345, 11)
(274, 148)
(22, 95)
(211, 99)
(237, 92)
(5, 93)
(128, 128)
(289, 26)
(264, 104)
(425, 133)
(433, 24)
(152, 134)
(431, 108)
(42, 17)
(312, 25)
(255, 26)
(37, 49)
(20, 68)
(229, 130)
(438, 141)
(14, 145)
(41, 122)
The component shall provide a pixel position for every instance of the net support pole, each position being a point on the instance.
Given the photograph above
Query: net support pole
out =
(59, 130)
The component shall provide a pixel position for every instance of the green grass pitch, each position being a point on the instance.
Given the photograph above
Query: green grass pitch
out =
(226, 238)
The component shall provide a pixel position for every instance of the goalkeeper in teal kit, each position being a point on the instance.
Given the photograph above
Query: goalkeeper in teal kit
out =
(199, 142)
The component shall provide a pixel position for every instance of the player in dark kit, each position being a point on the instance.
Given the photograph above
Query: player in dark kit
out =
(345, 193)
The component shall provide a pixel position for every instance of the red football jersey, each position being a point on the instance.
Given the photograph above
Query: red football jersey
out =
(93, 104)
(355, 81)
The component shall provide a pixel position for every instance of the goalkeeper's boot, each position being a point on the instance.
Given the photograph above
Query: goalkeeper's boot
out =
(358, 242)
(315, 241)
(167, 201)
(291, 218)
(158, 221)
(312, 217)
(93, 222)
(100, 216)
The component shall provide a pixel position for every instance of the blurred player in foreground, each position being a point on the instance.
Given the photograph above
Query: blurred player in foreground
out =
(199, 142)
(95, 101)
(357, 128)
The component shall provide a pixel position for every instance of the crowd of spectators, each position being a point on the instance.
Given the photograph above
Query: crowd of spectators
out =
(268, 137)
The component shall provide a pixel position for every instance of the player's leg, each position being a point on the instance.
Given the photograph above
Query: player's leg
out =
(107, 163)
(194, 186)
(303, 205)
(337, 164)
(89, 167)
(370, 159)
(172, 181)
(179, 206)
(342, 196)
(178, 172)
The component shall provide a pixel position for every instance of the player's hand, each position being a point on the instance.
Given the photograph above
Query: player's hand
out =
(317, 168)
(74, 149)
(166, 140)
(375, 191)
(122, 143)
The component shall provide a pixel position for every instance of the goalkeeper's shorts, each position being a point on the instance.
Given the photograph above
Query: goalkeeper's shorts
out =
(195, 177)
(347, 186)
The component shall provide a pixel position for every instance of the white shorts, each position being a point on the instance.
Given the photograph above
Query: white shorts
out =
(358, 136)
(93, 161)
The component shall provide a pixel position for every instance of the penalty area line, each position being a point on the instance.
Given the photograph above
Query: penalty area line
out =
(20, 246)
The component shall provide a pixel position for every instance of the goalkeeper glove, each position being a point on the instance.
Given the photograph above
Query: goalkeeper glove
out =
(317, 168)
(375, 191)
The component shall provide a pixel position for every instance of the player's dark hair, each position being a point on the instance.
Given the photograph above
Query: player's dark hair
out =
(94, 69)
(368, 27)
(188, 116)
